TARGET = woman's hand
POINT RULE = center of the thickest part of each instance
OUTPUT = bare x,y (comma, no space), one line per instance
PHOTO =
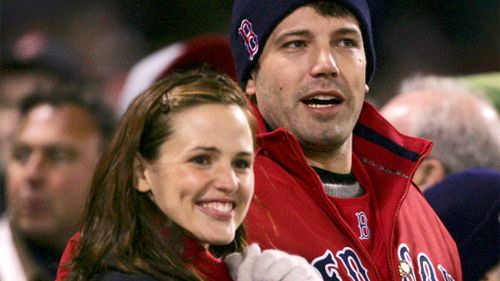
269,265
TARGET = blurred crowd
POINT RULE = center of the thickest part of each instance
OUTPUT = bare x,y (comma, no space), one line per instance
429,53
108,37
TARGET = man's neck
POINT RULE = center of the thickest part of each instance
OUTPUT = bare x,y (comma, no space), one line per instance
39,261
338,160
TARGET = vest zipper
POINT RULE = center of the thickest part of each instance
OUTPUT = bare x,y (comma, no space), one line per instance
344,226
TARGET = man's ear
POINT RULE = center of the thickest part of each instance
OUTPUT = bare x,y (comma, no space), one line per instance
250,86
430,172
141,182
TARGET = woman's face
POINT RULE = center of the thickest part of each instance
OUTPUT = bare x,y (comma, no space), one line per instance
203,179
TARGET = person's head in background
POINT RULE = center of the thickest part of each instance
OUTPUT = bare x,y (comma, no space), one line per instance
463,126
468,203
56,145
32,62
204,49
182,155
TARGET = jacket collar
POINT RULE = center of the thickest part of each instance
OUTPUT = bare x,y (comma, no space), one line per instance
372,128
384,160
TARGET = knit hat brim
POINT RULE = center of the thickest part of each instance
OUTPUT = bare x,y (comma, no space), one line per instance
254,20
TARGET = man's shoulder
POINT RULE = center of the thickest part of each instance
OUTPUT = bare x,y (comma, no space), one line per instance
5,231
10,267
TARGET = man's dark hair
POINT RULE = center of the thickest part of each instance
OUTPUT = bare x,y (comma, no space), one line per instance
77,95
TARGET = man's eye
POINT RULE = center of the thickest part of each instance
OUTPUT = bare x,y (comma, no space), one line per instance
59,155
21,154
295,44
347,42
201,160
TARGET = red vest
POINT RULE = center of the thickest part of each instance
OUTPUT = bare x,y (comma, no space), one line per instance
292,212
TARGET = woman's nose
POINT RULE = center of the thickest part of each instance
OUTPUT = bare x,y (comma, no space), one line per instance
226,179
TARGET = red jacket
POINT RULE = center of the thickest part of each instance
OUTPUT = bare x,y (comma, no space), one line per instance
292,212
212,268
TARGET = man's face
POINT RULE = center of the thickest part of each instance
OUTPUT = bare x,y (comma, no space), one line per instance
54,152
311,79
13,87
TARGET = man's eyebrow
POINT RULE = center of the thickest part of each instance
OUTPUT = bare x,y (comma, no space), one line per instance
295,32
17,143
59,146
347,31
69,150
304,32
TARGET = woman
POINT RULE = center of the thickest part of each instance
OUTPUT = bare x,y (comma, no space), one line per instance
172,190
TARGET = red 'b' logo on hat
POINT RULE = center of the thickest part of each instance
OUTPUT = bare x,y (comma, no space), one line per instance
250,38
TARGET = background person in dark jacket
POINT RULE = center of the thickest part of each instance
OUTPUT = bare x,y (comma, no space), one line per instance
468,203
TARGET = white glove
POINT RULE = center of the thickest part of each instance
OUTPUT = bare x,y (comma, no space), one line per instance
269,265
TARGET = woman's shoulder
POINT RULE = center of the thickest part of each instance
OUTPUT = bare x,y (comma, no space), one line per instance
120,276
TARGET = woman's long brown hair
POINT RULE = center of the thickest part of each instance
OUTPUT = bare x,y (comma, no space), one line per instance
122,229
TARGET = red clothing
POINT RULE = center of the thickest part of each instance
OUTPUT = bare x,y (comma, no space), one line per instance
292,212
64,269
212,268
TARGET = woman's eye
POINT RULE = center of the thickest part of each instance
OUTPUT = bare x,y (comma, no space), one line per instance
201,160
241,164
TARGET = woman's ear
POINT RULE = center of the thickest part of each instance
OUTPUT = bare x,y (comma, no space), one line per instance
141,182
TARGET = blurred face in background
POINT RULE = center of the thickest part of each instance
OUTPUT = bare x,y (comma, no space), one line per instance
53,155
203,179
13,87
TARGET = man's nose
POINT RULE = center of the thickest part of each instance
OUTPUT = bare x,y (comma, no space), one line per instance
324,63
35,167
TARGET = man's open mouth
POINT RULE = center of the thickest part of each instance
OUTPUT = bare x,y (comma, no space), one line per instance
321,101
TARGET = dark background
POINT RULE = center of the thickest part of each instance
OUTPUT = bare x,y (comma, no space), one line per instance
454,37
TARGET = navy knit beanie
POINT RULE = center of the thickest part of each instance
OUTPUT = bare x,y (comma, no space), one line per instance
254,20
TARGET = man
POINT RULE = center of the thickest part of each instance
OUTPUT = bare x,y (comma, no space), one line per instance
463,126
32,61
332,177
59,138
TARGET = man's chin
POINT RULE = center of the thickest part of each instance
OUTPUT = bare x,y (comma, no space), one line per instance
34,229
322,144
